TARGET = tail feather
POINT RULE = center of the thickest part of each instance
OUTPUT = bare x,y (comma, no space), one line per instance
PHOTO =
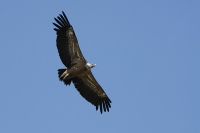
60,72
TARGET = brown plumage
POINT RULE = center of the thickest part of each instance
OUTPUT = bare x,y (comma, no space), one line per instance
78,69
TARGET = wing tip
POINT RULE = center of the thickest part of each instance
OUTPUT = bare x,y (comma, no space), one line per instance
104,104
62,23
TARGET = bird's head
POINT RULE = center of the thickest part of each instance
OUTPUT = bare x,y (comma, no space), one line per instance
90,65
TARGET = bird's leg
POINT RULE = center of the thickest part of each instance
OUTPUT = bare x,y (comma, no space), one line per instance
64,75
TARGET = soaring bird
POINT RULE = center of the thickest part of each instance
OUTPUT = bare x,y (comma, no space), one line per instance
78,70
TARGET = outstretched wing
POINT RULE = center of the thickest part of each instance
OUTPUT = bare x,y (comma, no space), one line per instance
92,91
67,43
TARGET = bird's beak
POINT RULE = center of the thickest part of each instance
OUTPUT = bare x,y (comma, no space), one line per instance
93,65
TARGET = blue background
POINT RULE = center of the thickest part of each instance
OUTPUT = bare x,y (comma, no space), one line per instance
147,55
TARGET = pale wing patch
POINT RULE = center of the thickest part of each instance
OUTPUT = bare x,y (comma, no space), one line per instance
74,50
91,81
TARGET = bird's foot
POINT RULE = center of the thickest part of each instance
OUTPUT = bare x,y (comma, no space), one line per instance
64,75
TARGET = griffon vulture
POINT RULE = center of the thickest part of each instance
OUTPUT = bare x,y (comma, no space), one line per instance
78,70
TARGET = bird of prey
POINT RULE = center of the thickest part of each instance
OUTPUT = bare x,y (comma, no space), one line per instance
78,70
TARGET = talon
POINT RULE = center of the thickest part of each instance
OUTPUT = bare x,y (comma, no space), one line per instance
64,75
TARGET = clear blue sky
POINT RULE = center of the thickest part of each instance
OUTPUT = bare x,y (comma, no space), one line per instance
147,55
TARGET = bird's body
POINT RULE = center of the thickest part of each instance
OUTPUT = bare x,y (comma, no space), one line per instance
78,70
